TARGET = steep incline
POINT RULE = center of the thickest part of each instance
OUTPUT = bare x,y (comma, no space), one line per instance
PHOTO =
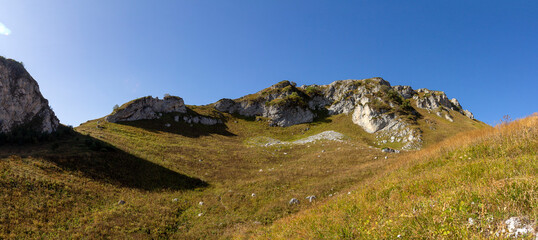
478,185
21,103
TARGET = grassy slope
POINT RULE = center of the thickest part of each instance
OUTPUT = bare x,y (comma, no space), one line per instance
488,175
74,190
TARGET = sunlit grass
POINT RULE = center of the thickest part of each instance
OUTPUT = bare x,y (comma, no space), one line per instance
487,175
73,191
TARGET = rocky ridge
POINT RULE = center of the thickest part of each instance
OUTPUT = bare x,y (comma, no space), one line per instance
388,112
21,102
376,106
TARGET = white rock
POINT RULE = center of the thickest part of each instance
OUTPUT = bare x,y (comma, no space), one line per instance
293,201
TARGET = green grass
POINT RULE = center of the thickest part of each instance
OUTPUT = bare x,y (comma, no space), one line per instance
72,190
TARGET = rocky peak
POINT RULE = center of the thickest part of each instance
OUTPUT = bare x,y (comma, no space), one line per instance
21,102
147,108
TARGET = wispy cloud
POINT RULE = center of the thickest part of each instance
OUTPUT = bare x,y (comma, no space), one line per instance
4,30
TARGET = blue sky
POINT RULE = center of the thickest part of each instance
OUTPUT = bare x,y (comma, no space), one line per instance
90,55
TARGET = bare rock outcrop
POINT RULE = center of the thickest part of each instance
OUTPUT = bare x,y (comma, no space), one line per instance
438,101
21,102
147,108
283,104
376,106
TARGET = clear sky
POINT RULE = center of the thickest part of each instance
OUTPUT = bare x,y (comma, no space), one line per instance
90,55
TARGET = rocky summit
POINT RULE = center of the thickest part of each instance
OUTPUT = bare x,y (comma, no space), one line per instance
21,102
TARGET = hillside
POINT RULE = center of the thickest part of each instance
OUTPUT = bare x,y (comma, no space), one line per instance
169,177
477,185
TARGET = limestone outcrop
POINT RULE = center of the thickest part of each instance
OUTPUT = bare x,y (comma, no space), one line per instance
438,101
21,102
379,108
283,104
147,108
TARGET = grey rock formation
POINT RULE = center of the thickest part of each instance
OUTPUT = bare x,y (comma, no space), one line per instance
283,111
288,115
21,102
405,91
372,103
468,114
456,103
435,100
147,108
432,100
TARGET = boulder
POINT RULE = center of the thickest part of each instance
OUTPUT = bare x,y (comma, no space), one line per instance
21,102
293,201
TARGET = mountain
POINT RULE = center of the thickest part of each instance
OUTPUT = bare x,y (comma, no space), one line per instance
22,107
158,168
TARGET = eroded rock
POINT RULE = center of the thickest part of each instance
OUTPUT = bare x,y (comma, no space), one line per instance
147,108
21,102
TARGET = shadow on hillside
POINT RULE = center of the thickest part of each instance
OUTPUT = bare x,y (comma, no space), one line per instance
102,162
168,124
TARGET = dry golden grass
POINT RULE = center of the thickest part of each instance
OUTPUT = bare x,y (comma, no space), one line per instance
73,191
488,175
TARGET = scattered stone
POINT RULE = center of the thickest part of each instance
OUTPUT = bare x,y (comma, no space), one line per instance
175,200
200,214
471,221
253,195
390,150
167,125
311,198
176,118
293,201
518,227
201,203
121,202
386,157
322,151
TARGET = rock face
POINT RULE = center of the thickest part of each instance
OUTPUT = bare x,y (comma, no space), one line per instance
21,102
147,108
283,104
438,101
